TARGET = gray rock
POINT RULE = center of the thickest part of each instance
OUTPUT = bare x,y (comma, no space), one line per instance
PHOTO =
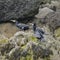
51,5
14,9
53,21
43,12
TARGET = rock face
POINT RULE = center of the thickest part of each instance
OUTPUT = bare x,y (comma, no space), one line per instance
14,9
43,12
53,21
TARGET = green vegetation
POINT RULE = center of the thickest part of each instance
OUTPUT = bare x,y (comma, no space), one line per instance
23,47
3,41
32,38
57,32
29,57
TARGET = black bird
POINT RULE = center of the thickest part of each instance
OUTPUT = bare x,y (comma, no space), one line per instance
22,26
38,33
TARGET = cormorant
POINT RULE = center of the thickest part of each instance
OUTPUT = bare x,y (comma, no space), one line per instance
22,26
38,33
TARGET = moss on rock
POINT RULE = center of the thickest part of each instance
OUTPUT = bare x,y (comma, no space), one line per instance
3,41
57,32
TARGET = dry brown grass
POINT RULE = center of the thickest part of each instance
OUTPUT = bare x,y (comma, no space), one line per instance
8,29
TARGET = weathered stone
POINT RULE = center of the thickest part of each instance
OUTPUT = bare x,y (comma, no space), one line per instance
52,4
53,20
14,9
55,3
43,12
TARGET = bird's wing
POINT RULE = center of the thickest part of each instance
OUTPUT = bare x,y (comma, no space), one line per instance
37,34
40,31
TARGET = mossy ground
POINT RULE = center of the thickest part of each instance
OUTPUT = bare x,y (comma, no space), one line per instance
32,38
57,32
3,41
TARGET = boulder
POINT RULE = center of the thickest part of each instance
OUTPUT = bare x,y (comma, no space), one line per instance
43,12
15,9
55,3
51,5
53,21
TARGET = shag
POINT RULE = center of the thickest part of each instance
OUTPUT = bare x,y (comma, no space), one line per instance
22,26
38,33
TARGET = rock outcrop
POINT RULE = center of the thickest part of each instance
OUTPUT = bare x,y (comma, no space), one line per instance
14,9
43,12
53,20
49,17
